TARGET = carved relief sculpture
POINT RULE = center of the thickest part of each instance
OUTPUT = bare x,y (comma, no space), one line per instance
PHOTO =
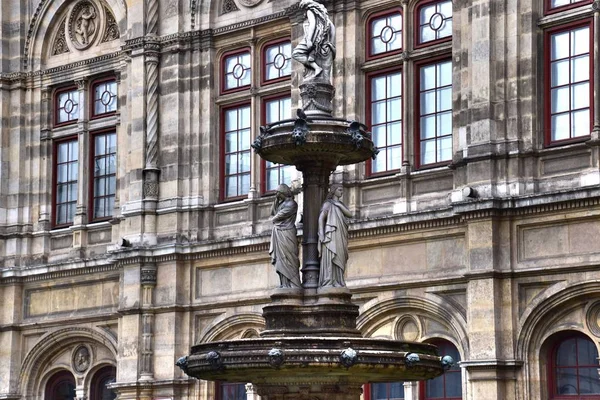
81,359
83,24
60,41
333,239
284,242
316,50
111,32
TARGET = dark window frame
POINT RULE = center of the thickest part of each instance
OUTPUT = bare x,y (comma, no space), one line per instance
99,377
222,153
263,119
439,342
369,115
263,61
55,144
416,32
378,15
58,378
91,176
549,10
92,100
417,112
223,70
547,118
56,111
220,385
368,389
551,373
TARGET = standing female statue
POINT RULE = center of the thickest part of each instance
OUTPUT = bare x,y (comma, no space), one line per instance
284,243
333,238
316,50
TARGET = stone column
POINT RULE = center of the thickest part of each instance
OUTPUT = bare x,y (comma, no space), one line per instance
83,141
148,280
596,72
316,182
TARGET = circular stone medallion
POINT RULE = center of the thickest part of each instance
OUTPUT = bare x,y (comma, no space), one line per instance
81,359
250,3
84,24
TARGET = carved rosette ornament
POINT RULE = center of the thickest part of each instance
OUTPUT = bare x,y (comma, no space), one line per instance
81,359
84,23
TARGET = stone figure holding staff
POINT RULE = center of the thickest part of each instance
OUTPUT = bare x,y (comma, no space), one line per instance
333,239
284,243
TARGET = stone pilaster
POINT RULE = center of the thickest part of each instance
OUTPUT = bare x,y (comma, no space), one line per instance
148,281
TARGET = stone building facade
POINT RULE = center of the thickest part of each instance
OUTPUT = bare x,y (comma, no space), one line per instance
134,214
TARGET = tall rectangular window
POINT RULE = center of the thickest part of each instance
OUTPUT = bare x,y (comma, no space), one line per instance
67,174
67,106
236,149
434,116
385,118
105,174
276,174
569,89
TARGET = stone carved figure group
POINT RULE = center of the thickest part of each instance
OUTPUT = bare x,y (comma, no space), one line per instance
333,238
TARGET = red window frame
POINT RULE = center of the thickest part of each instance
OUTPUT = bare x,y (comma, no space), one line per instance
263,117
551,370
263,62
59,378
548,9
99,380
222,385
56,112
379,15
92,175
224,74
223,179
417,115
444,347
416,18
369,118
55,180
368,389
547,81
92,97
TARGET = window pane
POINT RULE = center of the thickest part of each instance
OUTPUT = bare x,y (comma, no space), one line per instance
444,99
231,187
444,124
427,127
444,149
580,69
395,85
435,388
378,112
379,164
558,3
559,46
378,88
580,96
394,133
453,384
395,157
559,73
428,152
427,77
566,381
581,123
560,99
580,41
566,354
589,382
230,120
231,163
379,135
560,126
428,102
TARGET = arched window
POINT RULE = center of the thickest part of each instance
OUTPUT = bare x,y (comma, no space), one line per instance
447,386
61,386
573,369
103,377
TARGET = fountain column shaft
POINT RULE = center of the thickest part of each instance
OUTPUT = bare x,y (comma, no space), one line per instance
316,180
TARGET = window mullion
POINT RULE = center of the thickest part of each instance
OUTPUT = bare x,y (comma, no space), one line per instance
81,215
595,73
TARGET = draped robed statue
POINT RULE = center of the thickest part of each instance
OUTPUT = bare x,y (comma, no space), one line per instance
333,239
284,242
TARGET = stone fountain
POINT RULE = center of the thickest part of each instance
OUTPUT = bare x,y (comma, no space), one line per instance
310,348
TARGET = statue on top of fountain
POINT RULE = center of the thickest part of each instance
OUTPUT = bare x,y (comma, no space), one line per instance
316,50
